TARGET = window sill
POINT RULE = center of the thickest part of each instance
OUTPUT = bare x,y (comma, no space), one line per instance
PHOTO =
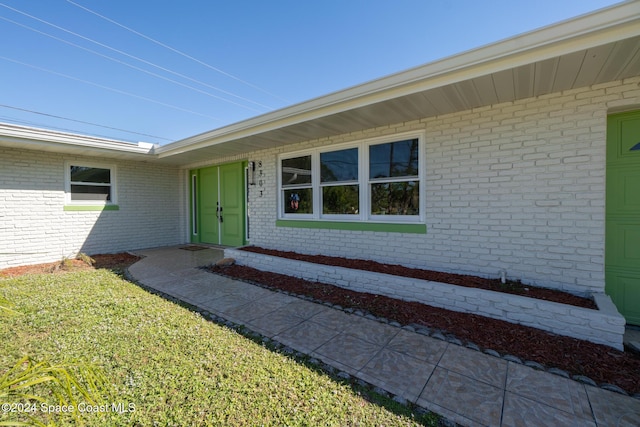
386,227
82,208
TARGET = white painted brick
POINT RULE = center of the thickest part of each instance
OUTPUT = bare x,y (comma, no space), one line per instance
604,326
149,196
522,318
531,171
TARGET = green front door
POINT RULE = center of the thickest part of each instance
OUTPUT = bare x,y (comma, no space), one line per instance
622,259
232,206
209,204
218,208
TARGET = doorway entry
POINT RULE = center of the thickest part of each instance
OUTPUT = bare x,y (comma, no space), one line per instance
622,246
218,205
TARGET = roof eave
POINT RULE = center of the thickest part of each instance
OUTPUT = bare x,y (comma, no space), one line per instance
30,138
610,24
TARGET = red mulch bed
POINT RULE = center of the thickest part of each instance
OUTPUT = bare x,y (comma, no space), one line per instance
109,261
435,276
598,362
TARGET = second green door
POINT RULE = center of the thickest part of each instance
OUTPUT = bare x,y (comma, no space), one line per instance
622,251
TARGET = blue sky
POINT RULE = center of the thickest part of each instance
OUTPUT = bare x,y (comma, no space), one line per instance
229,60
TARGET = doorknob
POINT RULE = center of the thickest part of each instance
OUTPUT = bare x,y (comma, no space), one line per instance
220,217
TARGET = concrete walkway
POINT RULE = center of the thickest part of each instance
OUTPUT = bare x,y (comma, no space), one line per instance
464,385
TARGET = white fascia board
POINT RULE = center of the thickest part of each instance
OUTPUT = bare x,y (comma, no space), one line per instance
28,137
611,24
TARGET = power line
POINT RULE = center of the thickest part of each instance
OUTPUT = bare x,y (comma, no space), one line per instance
129,65
81,121
122,92
131,56
177,51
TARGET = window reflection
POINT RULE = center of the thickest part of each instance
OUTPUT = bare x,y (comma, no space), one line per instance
339,165
296,170
87,174
340,200
395,198
90,184
394,159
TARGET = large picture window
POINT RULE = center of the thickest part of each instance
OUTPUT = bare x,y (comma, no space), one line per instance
377,180
87,184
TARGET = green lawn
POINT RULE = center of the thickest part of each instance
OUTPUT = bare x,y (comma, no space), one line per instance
169,364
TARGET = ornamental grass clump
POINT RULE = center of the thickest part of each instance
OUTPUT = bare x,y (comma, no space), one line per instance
33,387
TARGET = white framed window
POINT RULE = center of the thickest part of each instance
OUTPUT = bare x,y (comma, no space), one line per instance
340,183
394,178
378,180
90,184
296,183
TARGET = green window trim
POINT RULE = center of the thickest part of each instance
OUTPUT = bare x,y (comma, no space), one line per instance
84,208
354,226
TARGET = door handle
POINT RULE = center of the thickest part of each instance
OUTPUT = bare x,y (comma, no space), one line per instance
220,216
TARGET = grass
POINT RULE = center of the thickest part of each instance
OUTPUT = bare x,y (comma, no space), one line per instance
166,365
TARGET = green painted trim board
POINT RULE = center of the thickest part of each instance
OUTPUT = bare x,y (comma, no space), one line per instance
355,226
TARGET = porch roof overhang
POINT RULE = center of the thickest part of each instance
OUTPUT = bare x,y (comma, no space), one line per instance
590,49
593,48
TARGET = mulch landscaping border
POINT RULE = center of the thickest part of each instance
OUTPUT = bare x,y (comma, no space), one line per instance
590,363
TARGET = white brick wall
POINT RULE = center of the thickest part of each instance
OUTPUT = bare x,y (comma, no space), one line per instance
518,186
34,227
602,326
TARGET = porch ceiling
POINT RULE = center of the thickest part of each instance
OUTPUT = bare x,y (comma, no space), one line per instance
592,49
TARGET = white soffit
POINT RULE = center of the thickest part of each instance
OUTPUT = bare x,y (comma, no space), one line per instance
590,49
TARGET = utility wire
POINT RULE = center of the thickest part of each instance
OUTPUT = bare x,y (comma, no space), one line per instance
129,65
133,57
176,51
81,121
109,88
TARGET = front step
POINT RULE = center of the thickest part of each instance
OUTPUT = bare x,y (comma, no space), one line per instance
602,326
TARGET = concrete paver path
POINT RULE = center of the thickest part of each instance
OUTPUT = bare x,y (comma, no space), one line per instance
464,385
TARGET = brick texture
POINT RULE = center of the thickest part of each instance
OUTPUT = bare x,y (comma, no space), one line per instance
34,227
602,326
518,186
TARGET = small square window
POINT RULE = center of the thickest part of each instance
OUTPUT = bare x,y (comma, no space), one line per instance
87,184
